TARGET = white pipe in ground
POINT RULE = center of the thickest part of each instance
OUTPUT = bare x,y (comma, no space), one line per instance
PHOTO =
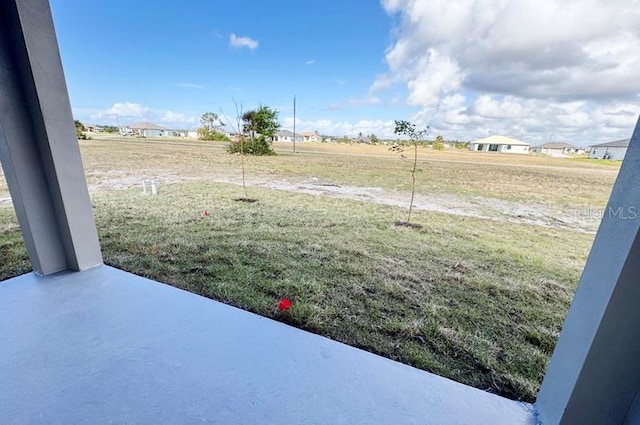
153,186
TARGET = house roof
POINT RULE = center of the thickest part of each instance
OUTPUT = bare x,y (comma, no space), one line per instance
557,145
501,140
622,143
284,133
145,125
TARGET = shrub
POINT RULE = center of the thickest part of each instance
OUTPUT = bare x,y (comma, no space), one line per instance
258,146
80,129
205,134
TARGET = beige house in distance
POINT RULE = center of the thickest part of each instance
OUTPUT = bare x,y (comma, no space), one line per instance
556,149
499,144
308,136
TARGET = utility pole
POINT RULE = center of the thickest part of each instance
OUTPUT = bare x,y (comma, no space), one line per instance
294,124
119,128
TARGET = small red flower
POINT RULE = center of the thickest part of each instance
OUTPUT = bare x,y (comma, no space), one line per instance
284,304
206,213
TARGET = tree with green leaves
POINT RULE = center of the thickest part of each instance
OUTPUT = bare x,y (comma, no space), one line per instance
259,126
408,129
249,123
262,121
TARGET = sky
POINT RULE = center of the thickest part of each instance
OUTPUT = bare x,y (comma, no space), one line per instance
537,70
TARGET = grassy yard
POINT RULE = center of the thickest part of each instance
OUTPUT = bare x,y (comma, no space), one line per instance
479,301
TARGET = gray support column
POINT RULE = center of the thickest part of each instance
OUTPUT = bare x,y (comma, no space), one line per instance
594,374
38,146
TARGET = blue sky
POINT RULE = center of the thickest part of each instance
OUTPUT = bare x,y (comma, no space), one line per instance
537,70
176,56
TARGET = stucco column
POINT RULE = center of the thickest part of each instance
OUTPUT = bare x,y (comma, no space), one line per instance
594,374
38,146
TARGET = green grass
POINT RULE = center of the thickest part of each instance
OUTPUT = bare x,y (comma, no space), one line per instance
587,160
13,256
474,300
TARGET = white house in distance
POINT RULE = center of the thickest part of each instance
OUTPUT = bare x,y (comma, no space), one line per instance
499,144
286,136
615,150
556,149
147,129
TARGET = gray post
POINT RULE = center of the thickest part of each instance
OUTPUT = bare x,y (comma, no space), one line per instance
594,374
38,146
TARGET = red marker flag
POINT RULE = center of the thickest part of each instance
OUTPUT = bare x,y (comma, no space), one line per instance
284,304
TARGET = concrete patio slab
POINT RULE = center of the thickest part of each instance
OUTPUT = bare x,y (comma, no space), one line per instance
106,346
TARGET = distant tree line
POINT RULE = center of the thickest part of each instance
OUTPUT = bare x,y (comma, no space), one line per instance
439,143
110,128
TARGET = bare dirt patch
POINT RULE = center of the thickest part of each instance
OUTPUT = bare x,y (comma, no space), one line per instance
475,206
447,203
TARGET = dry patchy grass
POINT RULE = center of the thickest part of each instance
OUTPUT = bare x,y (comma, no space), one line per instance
553,182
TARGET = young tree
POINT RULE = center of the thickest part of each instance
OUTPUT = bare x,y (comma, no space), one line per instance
211,126
406,128
210,121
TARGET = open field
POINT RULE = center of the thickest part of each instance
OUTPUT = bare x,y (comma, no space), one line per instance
478,294
523,189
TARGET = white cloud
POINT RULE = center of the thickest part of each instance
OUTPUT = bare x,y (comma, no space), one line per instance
310,62
533,48
190,86
436,76
124,113
535,66
127,110
508,107
179,119
241,42
533,120
380,128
